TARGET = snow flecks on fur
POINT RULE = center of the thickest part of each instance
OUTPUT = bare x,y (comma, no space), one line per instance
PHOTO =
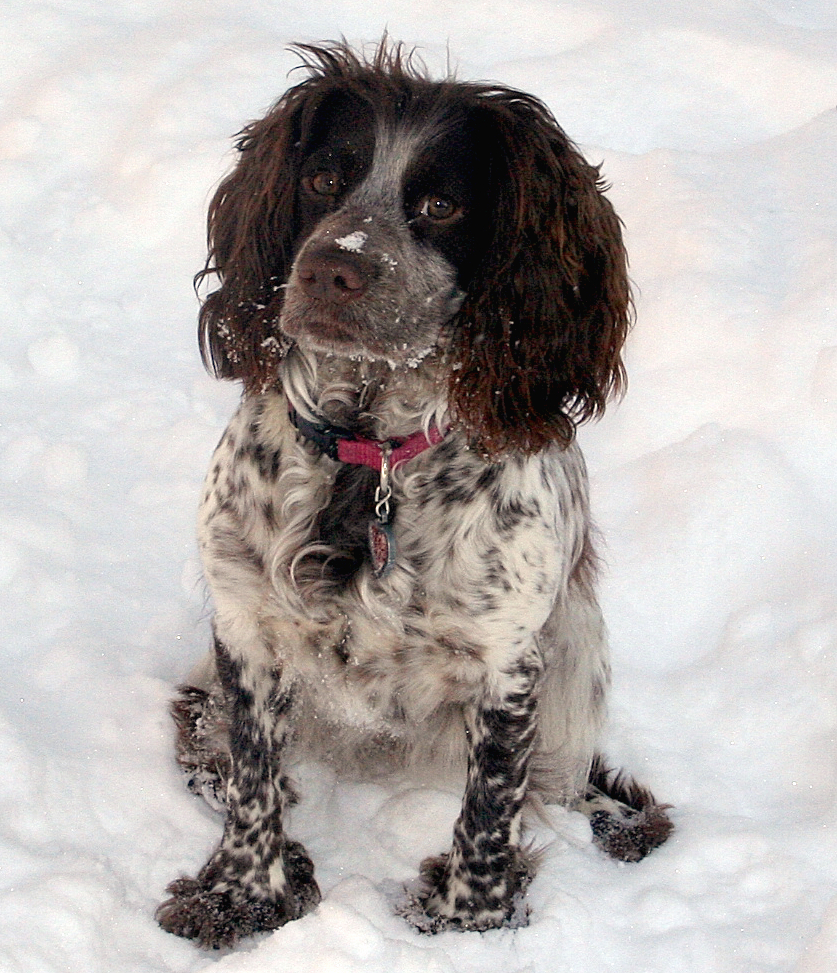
353,242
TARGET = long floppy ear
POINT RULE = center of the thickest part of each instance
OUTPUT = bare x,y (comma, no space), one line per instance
250,235
537,343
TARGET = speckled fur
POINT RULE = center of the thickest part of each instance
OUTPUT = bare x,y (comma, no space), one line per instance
483,648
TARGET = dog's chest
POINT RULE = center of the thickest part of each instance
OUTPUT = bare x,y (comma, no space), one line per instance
479,560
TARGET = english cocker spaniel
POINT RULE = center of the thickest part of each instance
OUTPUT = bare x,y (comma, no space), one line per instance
423,290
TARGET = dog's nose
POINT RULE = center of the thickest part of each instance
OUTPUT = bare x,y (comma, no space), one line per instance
334,275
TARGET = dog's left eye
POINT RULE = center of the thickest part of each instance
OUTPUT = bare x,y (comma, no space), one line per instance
323,183
440,209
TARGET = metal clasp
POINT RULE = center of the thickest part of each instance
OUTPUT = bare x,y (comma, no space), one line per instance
383,492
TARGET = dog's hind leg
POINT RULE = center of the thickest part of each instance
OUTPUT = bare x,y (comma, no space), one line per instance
627,822
202,744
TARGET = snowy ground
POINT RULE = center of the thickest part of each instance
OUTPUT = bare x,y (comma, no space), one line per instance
714,482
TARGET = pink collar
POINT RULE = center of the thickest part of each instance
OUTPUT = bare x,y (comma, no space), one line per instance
342,445
368,452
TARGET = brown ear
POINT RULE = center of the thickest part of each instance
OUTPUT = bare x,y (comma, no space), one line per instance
250,233
250,226
537,344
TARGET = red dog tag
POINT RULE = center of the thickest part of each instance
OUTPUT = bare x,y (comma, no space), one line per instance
381,547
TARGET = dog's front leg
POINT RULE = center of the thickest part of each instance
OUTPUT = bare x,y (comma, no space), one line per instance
476,885
257,879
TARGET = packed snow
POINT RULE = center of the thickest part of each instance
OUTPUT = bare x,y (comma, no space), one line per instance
713,482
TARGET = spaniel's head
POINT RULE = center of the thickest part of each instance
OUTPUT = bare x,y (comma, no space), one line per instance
376,213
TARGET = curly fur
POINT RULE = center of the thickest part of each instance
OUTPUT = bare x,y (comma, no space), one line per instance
394,254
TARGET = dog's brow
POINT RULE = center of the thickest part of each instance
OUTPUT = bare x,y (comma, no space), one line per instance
396,147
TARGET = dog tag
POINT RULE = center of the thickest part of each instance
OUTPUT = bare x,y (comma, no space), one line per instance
381,547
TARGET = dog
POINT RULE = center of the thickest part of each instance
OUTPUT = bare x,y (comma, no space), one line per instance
423,289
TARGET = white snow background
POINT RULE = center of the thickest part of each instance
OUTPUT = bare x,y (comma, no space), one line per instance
714,483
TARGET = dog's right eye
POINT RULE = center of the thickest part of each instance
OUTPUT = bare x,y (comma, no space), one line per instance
324,183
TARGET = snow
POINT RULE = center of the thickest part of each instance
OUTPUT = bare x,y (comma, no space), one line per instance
713,483
353,241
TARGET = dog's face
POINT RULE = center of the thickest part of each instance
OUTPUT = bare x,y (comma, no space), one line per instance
392,208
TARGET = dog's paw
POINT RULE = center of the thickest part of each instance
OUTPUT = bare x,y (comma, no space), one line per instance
478,901
219,913
629,834
202,743
216,917
626,820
